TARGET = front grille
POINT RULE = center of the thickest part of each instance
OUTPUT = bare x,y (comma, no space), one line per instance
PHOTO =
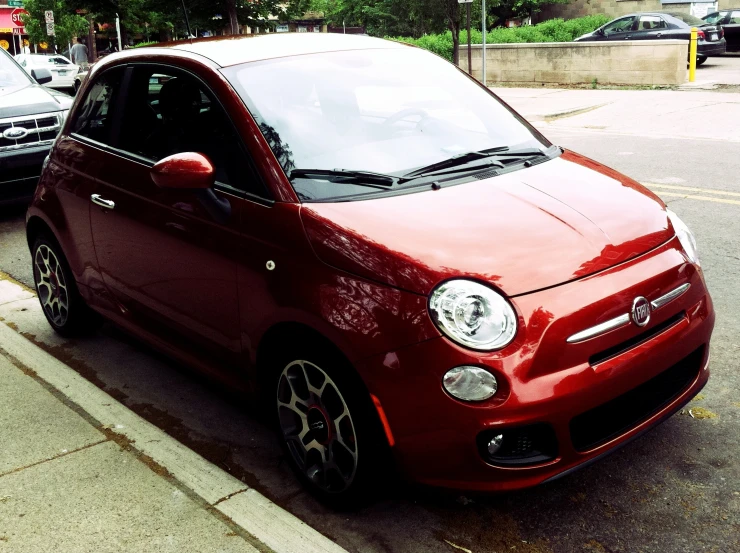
636,340
42,129
605,422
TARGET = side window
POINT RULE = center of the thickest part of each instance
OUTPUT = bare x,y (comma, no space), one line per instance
93,118
168,112
619,26
714,18
651,22
735,17
23,62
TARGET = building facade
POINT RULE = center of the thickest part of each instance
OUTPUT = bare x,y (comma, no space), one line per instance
615,8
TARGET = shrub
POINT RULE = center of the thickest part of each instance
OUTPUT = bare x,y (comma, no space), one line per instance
553,30
142,44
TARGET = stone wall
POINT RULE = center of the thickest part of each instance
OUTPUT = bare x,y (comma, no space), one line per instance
631,62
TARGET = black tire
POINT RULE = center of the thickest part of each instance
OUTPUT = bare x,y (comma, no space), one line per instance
347,462
60,300
700,60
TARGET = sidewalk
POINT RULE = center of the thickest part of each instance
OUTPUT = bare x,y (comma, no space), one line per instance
79,472
658,113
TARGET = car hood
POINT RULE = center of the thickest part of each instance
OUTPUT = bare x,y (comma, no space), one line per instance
522,231
31,99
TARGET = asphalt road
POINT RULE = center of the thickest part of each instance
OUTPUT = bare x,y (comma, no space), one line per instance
675,490
724,70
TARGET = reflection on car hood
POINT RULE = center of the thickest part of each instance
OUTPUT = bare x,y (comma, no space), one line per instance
31,99
522,231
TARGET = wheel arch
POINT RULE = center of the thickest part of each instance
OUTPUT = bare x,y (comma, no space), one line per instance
36,226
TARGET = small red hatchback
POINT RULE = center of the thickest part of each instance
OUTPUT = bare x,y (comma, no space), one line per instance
392,261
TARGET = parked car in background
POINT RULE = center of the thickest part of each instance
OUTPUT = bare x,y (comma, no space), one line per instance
389,259
81,76
62,70
730,22
663,26
30,118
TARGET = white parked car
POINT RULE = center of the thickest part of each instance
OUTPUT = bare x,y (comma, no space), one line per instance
62,70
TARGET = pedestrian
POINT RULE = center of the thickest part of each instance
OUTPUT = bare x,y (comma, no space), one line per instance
78,53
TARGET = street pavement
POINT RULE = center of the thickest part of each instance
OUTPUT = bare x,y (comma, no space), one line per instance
675,490
723,70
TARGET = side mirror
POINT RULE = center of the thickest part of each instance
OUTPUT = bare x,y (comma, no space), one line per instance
188,170
41,75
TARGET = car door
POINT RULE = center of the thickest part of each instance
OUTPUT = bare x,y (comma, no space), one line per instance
650,27
732,31
78,155
169,256
620,29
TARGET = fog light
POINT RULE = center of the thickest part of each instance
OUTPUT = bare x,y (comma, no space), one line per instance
470,383
495,444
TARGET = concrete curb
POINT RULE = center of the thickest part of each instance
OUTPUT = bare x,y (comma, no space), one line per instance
268,523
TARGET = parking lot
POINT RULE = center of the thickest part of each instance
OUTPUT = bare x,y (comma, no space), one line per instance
723,70
674,490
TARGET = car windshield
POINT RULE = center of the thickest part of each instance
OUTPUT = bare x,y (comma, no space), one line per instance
10,73
387,111
688,19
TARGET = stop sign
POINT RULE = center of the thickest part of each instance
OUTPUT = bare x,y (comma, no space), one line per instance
15,17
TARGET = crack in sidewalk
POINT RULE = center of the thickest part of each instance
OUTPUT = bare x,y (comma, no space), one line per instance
55,457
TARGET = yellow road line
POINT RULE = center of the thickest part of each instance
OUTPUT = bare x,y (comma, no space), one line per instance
703,198
691,189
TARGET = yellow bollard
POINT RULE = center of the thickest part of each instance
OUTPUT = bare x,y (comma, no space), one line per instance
692,55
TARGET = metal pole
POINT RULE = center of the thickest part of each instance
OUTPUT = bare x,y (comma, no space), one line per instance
470,53
485,80
118,30
692,55
187,22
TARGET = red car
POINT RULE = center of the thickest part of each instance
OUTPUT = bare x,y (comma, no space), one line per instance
378,249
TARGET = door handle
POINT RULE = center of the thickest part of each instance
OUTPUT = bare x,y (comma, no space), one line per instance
659,35
627,37
97,199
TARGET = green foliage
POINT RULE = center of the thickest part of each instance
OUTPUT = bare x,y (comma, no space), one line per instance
554,30
143,44
66,23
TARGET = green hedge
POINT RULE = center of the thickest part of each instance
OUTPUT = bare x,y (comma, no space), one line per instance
554,30
143,44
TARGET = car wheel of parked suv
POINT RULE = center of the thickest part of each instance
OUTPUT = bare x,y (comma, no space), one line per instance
700,60
328,428
60,300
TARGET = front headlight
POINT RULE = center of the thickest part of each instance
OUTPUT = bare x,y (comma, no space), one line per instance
473,315
685,236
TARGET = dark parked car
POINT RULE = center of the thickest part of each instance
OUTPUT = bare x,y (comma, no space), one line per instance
730,22
391,261
661,26
30,118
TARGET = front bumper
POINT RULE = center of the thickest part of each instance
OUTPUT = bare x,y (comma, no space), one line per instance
19,172
543,380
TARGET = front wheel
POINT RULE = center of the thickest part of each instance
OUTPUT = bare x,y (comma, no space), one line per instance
700,60
329,430
60,300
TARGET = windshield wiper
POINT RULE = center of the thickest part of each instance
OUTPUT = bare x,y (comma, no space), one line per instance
460,160
362,178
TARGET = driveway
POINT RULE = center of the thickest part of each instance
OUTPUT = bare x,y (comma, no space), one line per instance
723,70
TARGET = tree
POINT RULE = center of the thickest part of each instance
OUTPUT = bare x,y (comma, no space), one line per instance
66,23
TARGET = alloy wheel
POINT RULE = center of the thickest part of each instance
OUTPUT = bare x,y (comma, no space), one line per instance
317,426
51,285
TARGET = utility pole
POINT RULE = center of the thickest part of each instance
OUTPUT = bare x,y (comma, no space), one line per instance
187,22
118,30
470,51
485,81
